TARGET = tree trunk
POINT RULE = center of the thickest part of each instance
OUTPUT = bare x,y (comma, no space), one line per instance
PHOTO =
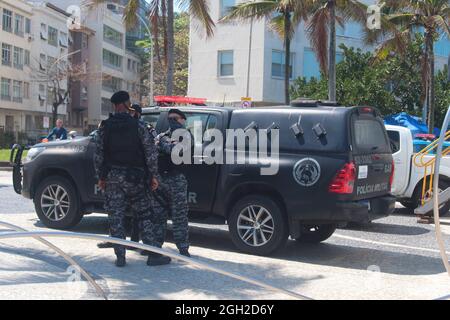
287,64
332,53
431,88
170,47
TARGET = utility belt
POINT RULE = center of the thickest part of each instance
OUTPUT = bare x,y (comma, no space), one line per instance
134,175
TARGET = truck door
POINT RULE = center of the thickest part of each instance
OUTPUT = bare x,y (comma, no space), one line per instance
202,177
401,161
372,155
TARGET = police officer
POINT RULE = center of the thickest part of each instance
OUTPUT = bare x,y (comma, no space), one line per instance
126,166
173,187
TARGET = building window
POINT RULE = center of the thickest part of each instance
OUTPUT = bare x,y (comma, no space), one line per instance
42,62
225,7
26,90
279,64
44,34
112,36
9,123
5,92
106,107
6,54
17,91
27,26
112,60
226,63
111,83
18,58
7,20
63,39
19,24
26,58
52,36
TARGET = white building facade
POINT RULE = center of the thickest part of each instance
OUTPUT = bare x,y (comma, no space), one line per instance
110,66
15,85
247,59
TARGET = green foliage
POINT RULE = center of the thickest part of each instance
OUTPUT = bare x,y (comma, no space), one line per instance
392,85
181,35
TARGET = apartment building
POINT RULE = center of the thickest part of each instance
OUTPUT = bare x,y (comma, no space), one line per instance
34,43
100,45
15,43
49,63
248,59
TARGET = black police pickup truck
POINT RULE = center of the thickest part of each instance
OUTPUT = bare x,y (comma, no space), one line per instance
335,166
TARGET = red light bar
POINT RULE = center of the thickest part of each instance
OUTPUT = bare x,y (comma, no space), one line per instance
367,109
179,100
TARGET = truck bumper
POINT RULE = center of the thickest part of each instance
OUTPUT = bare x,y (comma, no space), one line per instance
365,211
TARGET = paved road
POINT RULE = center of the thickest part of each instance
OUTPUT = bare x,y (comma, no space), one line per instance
393,258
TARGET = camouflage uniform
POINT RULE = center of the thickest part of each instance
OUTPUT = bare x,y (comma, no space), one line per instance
127,187
170,200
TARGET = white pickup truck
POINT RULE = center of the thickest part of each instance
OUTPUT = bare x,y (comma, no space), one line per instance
408,178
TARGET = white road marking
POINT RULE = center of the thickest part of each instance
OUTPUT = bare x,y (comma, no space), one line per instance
394,245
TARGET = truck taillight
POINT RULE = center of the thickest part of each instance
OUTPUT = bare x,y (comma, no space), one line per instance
344,180
391,178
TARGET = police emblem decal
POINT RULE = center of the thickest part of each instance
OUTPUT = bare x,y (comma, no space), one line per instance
307,172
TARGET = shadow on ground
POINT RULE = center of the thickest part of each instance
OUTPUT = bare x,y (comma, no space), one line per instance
139,281
349,255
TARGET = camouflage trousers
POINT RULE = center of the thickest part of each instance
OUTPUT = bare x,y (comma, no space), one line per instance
170,200
122,196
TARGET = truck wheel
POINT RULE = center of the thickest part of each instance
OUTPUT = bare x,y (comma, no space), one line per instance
443,209
316,234
257,225
411,205
56,203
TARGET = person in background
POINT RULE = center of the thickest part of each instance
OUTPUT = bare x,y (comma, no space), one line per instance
136,111
59,132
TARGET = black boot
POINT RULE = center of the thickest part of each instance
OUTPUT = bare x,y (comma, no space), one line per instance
185,252
121,261
105,245
156,259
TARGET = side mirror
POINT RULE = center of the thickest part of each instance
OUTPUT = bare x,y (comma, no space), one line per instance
73,134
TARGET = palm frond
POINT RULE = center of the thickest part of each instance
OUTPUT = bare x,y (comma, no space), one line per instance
200,10
318,32
252,9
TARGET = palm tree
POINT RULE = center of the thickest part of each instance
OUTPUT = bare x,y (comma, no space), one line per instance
161,13
324,14
403,18
284,17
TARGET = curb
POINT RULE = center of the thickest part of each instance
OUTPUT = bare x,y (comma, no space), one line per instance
6,168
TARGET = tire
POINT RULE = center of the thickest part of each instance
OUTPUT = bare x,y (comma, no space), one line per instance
274,230
443,210
66,214
316,234
411,205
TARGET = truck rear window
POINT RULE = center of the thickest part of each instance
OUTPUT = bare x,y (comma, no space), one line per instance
370,136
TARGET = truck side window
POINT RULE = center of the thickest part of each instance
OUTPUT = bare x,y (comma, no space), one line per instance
394,139
152,119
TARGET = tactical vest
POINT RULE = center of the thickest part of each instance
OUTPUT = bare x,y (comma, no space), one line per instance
165,164
122,145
